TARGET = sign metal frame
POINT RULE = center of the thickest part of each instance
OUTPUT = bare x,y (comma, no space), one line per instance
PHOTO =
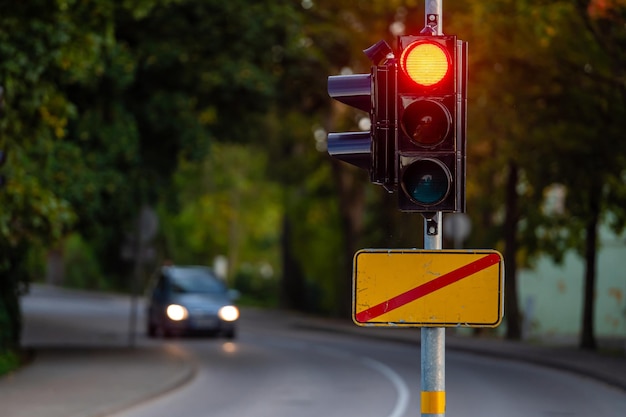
428,288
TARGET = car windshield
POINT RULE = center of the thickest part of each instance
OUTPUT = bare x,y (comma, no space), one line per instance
195,281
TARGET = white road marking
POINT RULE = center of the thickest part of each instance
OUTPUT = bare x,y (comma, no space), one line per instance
402,401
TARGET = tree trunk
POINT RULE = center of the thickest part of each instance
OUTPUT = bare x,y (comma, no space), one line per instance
55,266
351,198
351,208
292,288
587,339
10,311
511,307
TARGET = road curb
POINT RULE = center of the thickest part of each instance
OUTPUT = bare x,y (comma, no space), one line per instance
186,374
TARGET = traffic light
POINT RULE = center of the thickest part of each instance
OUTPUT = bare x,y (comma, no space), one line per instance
374,93
431,118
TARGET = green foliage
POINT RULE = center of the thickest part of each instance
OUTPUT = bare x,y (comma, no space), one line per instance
256,289
6,322
549,101
103,99
82,269
216,111
9,361
227,208
552,104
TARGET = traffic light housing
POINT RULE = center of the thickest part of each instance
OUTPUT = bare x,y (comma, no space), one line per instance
431,120
374,93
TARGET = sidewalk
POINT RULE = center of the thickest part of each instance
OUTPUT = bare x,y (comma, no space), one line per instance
90,382
94,382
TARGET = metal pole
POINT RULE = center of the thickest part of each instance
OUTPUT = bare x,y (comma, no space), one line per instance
433,340
138,248
433,16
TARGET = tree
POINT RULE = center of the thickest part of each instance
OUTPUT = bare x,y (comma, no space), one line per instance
238,209
32,47
105,99
560,115
499,113
592,165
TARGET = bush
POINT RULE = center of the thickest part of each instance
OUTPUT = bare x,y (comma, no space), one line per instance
9,361
82,269
255,289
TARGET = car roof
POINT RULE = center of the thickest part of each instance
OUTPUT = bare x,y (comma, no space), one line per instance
187,268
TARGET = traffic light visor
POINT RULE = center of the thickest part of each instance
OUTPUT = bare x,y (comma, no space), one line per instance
354,90
426,63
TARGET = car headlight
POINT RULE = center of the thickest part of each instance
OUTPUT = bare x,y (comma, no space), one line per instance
176,312
228,313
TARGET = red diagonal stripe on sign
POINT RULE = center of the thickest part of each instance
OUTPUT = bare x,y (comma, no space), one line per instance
428,287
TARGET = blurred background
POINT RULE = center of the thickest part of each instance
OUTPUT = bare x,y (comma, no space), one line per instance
138,133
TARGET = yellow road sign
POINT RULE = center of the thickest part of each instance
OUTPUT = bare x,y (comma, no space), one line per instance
428,288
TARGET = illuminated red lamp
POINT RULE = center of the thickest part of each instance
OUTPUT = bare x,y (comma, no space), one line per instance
427,64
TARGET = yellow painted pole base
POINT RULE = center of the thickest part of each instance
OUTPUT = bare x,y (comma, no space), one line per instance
433,402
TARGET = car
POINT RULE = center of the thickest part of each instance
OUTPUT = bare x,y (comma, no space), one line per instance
190,299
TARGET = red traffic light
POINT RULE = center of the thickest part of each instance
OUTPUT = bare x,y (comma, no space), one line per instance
426,63
431,115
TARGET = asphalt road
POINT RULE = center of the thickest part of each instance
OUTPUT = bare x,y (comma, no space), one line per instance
274,369
285,373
